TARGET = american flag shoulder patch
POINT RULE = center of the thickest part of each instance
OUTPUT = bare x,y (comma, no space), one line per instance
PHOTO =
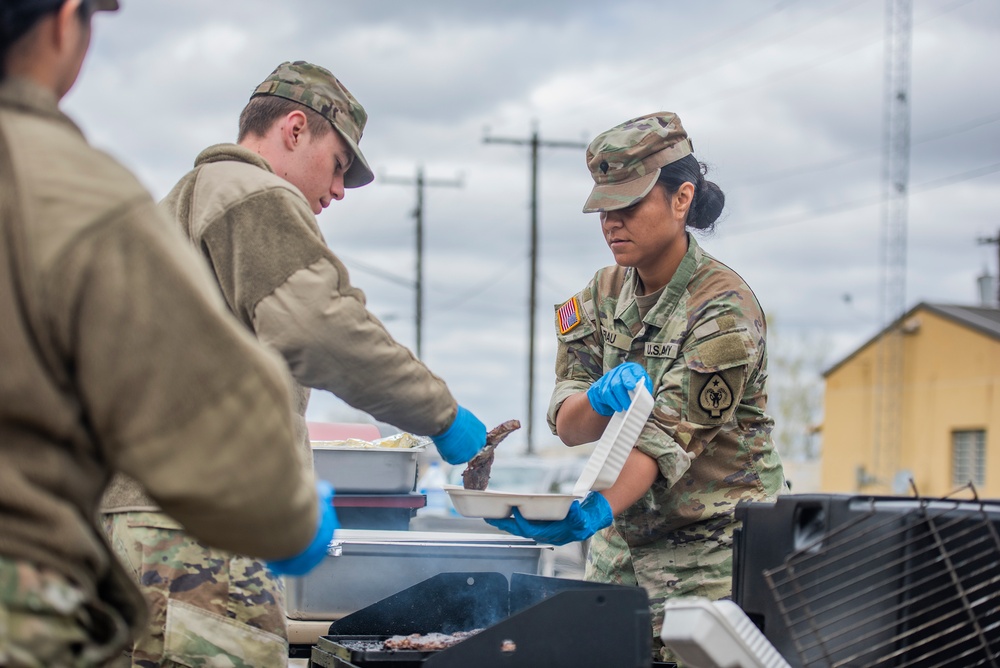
569,315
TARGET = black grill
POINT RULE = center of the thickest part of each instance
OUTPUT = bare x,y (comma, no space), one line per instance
533,621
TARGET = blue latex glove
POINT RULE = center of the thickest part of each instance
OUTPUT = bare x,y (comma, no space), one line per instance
311,557
462,440
581,522
609,393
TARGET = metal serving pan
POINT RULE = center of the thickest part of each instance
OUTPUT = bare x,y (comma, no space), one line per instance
364,566
373,469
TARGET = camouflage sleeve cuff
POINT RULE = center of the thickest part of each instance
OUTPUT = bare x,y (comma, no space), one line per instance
564,390
671,459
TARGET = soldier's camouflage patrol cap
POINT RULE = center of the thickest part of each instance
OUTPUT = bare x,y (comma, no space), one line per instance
319,90
26,6
625,161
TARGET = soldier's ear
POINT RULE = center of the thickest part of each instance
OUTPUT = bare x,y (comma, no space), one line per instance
67,19
294,128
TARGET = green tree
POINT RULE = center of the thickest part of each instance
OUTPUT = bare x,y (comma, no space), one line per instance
796,360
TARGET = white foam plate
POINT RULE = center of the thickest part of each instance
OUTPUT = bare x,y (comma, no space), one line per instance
617,441
494,504
601,472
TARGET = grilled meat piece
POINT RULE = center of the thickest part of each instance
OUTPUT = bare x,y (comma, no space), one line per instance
430,642
477,473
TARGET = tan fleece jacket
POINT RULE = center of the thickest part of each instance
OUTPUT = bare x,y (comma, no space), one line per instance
282,281
119,356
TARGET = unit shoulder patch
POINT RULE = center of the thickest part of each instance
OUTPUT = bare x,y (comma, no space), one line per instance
716,396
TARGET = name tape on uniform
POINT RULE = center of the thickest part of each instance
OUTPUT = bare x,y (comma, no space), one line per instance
616,339
662,350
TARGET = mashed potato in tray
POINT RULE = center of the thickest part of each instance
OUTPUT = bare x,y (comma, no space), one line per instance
403,441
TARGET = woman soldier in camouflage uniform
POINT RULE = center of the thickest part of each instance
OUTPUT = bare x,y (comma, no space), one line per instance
671,316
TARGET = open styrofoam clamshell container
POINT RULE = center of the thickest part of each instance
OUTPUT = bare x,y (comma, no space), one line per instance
716,634
601,472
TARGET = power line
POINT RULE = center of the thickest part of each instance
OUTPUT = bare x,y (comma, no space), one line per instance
864,154
680,71
481,287
798,218
375,271
795,70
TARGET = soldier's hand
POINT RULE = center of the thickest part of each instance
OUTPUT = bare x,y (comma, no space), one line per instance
610,393
463,439
314,553
581,522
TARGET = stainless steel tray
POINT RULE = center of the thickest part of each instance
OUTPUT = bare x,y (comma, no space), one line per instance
363,567
372,469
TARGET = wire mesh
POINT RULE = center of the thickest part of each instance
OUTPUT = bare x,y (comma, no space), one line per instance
918,588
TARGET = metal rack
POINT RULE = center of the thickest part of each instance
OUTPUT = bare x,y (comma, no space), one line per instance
919,588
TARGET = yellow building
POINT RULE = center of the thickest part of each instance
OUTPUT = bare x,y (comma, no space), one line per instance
920,401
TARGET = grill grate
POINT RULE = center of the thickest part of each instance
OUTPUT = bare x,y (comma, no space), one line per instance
918,589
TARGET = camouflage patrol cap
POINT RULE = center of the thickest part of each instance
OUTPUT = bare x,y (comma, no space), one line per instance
319,90
625,161
39,6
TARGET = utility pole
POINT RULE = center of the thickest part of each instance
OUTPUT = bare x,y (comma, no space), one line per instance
418,214
535,143
888,390
995,241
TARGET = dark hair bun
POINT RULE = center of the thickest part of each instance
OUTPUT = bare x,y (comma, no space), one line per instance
709,203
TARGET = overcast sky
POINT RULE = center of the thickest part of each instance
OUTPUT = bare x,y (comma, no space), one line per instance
783,100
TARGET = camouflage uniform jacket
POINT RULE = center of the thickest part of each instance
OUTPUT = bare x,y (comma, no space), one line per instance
119,355
703,345
283,283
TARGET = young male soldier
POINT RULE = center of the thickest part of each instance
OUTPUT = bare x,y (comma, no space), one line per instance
118,355
250,208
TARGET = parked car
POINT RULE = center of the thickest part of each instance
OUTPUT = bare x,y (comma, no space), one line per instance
546,475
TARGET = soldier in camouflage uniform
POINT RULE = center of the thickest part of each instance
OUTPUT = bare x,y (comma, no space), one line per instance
118,355
250,208
673,317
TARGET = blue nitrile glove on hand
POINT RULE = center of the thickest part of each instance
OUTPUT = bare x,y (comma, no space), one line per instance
463,439
581,522
609,393
310,558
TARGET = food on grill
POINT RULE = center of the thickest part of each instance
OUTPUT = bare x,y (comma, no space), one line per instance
429,642
477,473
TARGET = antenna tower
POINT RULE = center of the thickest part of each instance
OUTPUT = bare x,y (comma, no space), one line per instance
888,390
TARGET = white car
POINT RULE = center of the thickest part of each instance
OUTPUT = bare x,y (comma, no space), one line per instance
546,475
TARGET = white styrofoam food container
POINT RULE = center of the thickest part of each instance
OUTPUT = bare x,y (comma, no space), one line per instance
608,457
491,504
601,471
716,634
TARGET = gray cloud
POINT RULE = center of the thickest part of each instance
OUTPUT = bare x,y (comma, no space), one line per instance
783,100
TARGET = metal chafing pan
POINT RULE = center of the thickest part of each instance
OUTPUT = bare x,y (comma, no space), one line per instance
364,566
366,469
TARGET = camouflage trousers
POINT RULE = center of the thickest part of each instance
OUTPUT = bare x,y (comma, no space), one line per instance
207,607
696,561
46,621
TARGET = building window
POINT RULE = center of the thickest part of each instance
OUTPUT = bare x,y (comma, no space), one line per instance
968,458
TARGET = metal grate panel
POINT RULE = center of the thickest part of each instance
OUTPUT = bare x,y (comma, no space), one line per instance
916,589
